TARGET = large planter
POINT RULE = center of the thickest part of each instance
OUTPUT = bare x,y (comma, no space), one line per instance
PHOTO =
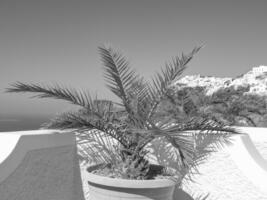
105,188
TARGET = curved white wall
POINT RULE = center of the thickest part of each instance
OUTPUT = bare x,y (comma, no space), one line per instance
9,140
257,134
249,161
7,144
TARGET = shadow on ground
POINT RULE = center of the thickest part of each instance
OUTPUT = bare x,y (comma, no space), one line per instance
180,194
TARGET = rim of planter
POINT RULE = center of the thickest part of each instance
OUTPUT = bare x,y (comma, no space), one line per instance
126,183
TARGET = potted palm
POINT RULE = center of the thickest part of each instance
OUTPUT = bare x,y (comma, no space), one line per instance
125,141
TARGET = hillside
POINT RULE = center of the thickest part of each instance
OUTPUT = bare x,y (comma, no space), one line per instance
256,79
240,101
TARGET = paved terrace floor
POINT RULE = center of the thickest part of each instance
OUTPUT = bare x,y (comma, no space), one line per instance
223,177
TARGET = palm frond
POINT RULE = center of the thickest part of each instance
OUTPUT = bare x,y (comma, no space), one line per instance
183,143
172,72
185,137
141,98
68,94
208,136
70,120
165,154
205,145
203,124
97,147
118,74
86,121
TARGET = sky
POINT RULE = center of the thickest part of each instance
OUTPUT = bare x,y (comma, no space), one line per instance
56,41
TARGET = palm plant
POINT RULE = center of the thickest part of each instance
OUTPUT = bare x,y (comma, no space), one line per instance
118,134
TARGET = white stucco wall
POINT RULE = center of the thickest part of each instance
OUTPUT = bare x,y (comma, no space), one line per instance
8,140
259,138
39,165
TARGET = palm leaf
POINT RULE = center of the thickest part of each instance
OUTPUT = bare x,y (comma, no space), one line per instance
181,142
70,120
118,74
97,147
181,137
68,94
86,121
172,72
141,98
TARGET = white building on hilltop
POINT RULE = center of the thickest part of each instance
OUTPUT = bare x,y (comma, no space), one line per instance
260,69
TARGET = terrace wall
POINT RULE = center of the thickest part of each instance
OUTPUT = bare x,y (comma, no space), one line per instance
39,165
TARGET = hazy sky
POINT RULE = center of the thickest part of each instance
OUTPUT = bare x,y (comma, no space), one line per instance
52,41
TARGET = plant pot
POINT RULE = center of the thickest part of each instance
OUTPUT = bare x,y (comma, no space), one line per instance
105,188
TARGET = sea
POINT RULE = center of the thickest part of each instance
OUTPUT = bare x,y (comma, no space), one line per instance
21,123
